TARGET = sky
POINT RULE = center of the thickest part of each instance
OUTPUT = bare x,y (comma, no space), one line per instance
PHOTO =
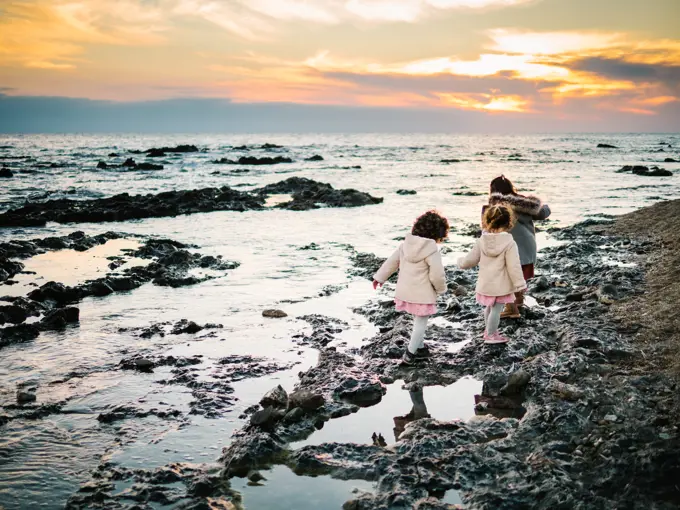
556,65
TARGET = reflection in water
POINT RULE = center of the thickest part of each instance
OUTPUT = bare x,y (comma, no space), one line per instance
284,490
446,403
418,411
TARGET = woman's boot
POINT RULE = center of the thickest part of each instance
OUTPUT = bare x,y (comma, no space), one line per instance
511,310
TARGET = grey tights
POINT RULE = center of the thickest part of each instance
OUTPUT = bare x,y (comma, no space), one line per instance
418,334
492,316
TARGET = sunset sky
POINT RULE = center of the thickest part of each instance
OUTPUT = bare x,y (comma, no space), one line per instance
571,59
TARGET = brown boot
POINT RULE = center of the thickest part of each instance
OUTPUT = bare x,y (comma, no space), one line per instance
511,311
519,299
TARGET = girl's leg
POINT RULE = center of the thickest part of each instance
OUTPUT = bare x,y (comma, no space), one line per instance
487,311
494,318
418,334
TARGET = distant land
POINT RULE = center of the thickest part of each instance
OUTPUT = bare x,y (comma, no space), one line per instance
31,114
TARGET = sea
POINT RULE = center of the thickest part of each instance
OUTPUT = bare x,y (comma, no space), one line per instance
45,461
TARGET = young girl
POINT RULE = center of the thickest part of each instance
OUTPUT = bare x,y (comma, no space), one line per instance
421,276
500,271
526,209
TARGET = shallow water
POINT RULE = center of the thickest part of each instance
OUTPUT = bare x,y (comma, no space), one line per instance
397,408
284,490
43,461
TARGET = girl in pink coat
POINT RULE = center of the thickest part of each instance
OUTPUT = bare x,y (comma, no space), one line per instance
421,276
500,272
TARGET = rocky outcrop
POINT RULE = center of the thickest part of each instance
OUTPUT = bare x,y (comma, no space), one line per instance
654,171
306,193
253,160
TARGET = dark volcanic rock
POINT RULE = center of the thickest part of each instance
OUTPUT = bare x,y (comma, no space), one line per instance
60,318
308,194
253,160
12,314
24,397
654,171
6,172
18,334
306,400
149,166
57,292
274,314
450,161
366,265
316,157
606,146
125,207
129,163
178,149
276,397
671,160
406,192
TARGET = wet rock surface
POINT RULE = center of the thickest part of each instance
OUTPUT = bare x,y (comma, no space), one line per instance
171,265
306,193
564,417
253,160
654,171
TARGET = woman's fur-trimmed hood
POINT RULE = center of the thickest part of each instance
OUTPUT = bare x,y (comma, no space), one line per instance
522,204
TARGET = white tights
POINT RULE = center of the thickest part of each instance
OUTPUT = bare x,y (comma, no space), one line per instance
492,316
418,334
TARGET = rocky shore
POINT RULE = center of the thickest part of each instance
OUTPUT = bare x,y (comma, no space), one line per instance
573,413
305,193
51,306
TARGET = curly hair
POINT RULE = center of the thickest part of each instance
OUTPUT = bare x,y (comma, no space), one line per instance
498,218
431,225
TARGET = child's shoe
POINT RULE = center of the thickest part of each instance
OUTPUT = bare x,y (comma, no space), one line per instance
408,358
496,338
423,352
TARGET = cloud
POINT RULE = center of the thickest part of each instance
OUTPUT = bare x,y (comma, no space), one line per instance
620,69
53,35
256,20
550,43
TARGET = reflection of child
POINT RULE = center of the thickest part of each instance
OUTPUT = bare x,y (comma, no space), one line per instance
500,273
418,411
421,276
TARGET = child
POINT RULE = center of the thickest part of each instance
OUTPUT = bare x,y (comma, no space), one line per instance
500,271
526,209
421,276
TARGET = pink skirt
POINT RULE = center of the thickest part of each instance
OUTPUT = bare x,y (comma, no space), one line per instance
417,309
492,300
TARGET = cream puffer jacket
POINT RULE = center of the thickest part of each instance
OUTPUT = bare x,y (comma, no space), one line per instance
421,271
500,272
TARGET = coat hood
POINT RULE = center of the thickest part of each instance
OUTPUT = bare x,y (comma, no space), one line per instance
493,245
417,248
522,204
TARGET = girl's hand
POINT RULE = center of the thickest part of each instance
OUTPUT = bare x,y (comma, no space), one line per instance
376,284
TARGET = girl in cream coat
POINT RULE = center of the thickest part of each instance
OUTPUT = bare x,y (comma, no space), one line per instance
500,272
421,276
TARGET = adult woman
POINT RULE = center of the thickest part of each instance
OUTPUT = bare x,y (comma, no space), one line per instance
527,209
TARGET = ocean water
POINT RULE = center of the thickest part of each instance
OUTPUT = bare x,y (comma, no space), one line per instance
42,462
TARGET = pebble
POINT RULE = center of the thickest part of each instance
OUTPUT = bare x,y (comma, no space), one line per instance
274,314
24,397
611,418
